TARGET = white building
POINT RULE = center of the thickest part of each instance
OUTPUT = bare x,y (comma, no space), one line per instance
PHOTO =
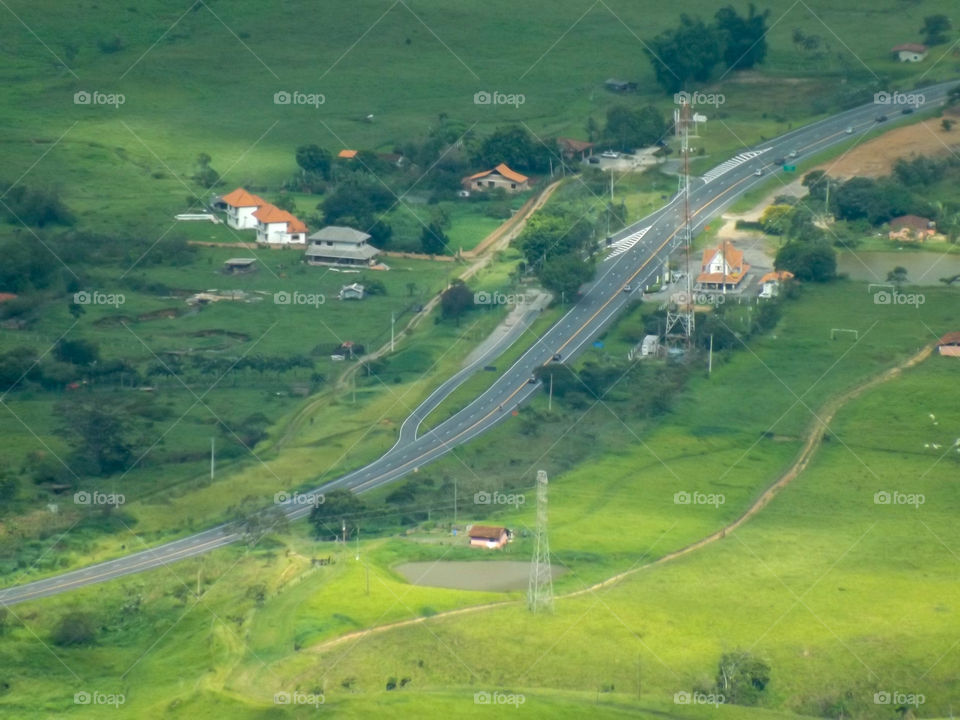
353,291
240,207
910,52
278,227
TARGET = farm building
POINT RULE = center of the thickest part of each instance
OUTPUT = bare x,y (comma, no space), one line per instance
575,149
240,206
721,268
911,228
949,344
491,537
337,245
239,266
278,227
619,86
910,52
347,154
770,283
353,291
500,177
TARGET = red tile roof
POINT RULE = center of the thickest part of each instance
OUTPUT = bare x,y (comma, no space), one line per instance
487,532
242,198
951,338
502,169
778,275
272,214
910,47
914,222
347,154
733,259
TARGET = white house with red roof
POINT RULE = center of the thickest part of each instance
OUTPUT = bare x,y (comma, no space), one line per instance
721,268
240,206
771,282
500,177
910,52
278,227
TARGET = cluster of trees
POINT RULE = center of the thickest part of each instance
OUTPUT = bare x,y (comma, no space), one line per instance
627,128
935,29
557,246
692,50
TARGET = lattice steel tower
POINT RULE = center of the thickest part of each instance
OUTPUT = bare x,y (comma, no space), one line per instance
540,592
679,328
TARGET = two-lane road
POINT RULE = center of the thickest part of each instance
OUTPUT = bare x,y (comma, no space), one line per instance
634,258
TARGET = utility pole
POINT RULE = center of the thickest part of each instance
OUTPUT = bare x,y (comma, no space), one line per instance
344,529
710,360
454,503
212,456
393,320
550,397
540,590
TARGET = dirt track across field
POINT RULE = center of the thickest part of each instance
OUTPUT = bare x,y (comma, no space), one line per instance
815,436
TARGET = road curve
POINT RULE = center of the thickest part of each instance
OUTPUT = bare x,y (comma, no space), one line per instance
604,298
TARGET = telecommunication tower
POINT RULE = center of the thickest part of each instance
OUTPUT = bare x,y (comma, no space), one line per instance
679,328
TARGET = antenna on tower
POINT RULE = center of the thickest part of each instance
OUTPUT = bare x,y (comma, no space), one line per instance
540,592
679,330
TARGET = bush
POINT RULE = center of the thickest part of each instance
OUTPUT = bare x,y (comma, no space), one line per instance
75,628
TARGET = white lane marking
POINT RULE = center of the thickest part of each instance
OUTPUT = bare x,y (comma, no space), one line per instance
730,164
624,244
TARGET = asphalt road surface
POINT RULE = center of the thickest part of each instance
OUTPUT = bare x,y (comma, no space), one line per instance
635,257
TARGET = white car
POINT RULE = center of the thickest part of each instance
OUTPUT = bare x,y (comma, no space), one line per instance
849,131
758,172
610,154
793,154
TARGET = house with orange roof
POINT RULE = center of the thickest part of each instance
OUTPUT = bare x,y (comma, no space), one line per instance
347,154
911,228
770,283
240,206
278,227
721,268
949,344
500,177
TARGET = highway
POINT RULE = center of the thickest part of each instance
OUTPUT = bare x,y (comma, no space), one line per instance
635,257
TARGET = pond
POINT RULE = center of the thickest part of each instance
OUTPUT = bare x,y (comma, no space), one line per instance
923,268
491,576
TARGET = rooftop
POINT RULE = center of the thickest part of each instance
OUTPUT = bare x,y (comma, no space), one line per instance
339,234
242,198
502,169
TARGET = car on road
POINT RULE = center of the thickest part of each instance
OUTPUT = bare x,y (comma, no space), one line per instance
881,118
849,131
557,357
532,380
780,161
758,172
627,288
612,154
793,154
907,110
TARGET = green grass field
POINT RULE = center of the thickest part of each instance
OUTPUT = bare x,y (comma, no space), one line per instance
843,597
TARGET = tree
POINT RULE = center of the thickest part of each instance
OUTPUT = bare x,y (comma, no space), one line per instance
314,159
434,240
205,176
744,38
74,628
515,147
105,438
338,507
946,124
898,275
685,53
812,261
935,29
627,129
76,352
565,274
774,219
455,300
742,678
